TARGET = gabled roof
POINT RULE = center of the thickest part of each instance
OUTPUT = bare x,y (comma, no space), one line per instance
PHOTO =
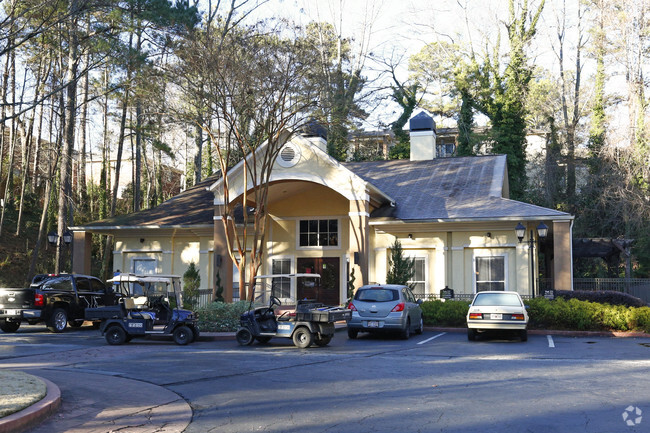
462,188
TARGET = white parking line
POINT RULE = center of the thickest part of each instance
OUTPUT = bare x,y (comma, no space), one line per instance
432,338
551,343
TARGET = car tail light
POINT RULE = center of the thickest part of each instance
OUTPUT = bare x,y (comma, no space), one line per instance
398,307
352,307
39,301
474,316
517,317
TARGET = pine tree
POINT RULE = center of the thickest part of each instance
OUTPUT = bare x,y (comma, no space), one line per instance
402,269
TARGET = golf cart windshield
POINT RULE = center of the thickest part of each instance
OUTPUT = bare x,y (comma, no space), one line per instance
144,288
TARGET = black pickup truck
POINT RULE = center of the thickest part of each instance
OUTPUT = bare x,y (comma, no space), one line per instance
54,299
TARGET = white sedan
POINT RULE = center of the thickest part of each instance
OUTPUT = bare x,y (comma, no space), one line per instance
497,310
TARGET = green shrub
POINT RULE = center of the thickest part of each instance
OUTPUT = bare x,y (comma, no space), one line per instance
640,319
602,297
448,313
586,316
221,316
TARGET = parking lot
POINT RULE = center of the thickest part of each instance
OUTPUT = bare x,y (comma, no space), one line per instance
437,381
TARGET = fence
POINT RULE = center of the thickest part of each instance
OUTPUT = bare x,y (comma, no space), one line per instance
639,287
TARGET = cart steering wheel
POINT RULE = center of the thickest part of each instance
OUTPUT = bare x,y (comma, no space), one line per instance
274,301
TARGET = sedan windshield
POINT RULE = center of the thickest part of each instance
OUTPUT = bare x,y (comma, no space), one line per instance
377,295
494,299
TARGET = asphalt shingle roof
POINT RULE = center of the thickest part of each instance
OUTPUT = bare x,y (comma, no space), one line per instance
194,206
445,188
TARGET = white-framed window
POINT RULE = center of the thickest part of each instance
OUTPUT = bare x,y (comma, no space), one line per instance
321,233
281,286
419,281
144,265
490,273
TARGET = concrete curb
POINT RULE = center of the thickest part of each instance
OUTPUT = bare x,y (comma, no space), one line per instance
34,414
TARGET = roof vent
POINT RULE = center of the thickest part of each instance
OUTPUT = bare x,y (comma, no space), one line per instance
289,155
422,122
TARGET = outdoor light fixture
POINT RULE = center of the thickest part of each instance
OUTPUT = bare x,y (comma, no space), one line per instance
53,237
542,232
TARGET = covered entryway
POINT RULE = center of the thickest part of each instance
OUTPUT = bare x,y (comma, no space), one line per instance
325,289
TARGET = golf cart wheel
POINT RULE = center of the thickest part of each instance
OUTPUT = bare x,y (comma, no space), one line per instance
195,334
244,337
302,337
353,334
263,340
58,321
323,340
116,335
183,335
9,326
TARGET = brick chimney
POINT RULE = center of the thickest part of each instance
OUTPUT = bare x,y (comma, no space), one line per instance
423,137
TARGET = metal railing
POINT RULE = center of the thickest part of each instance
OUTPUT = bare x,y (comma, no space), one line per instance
639,287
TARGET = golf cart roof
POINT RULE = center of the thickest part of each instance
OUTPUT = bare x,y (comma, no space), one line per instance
287,276
132,278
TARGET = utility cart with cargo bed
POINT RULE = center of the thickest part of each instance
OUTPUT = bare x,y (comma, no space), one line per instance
310,323
149,305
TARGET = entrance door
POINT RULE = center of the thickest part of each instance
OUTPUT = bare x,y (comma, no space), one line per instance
325,289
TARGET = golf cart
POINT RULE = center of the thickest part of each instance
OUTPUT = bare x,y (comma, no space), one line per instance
311,322
147,305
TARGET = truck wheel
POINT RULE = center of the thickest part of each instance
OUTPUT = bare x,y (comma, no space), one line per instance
115,335
302,337
244,337
323,340
58,321
9,326
183,335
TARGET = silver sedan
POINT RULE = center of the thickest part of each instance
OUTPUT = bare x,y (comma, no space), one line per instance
381,308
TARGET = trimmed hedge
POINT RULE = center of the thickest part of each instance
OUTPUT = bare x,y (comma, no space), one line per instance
221,316
557,314
448,313
603,297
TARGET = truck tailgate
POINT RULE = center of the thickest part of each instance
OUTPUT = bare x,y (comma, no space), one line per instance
16,298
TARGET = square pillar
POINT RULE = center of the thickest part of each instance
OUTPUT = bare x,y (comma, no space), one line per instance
562,255
222,261
81,252
359,244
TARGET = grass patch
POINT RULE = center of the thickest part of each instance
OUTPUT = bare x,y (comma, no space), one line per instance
18,391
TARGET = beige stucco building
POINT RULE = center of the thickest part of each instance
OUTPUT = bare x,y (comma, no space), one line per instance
452,215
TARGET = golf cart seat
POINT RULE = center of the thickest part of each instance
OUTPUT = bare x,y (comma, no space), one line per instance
129,305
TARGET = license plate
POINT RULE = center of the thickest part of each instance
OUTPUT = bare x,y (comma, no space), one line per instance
11,312
373,324
496,316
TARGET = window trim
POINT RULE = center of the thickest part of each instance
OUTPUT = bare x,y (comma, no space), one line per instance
424,257
318,247
483,256
292,281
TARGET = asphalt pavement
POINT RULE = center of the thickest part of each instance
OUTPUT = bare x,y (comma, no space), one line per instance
96,398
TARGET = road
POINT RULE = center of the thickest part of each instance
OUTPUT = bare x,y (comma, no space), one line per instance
435,382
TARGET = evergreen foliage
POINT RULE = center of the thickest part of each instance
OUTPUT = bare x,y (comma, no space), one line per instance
191,284
401,268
